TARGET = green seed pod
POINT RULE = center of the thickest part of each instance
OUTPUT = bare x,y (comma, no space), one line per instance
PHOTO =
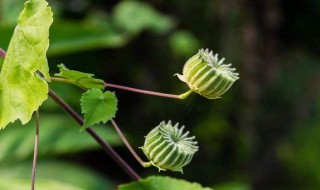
168,148
208,76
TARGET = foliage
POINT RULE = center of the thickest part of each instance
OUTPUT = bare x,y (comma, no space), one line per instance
83,80
261,135
26,56
159,183
52,175
59,136
98,106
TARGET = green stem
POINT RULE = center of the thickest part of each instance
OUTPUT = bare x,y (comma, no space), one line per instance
185,95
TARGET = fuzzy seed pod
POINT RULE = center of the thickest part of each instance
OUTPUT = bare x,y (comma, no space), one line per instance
208,76
168,148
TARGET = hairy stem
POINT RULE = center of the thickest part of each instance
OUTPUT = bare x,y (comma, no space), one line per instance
106,147
35,151
123,138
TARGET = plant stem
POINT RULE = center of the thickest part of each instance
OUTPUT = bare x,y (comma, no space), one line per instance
123,138
35,151
2,53
108,85
106,147
185,95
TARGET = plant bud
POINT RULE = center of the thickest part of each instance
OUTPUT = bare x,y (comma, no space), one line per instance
206,75
168,148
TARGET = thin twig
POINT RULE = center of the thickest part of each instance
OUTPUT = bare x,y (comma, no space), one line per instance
108,85
35,151
136,90
123,138
106,147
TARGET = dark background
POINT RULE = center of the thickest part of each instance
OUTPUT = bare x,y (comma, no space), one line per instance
265,131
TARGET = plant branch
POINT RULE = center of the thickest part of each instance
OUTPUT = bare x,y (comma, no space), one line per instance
176,96
136,90
123,138
2,53
106,147
35,151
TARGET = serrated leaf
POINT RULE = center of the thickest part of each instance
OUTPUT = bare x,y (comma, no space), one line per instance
81,79
160,183
98,107
22,90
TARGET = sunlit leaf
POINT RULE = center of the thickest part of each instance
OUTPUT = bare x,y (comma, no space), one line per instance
22,90
84,80
98,106
161,183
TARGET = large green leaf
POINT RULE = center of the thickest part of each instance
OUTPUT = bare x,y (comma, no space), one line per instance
22,90
59,135
49,173
98,106
160,183
81,79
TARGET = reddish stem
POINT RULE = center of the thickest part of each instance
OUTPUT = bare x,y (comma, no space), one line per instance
123,138
106,147
35,151
108,85
2,53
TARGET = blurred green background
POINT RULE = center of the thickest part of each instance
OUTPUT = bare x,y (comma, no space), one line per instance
263,134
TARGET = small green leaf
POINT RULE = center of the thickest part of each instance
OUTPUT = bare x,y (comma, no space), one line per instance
22,90
83,80
98,107
160,183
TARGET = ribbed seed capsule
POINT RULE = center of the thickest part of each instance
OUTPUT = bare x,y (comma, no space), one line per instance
167,147
206,75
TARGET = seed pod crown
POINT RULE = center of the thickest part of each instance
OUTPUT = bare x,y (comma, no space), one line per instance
206,75
168,148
